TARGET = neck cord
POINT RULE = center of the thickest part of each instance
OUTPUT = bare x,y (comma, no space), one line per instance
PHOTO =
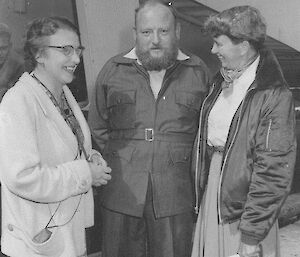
56,226
50,95
81,148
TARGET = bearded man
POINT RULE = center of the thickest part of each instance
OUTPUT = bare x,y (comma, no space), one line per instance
144,118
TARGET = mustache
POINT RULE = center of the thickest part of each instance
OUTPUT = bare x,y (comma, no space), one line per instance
156,46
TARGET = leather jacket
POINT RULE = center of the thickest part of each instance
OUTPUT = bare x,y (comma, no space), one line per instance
259,157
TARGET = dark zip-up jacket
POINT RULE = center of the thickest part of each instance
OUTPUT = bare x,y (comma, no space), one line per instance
260,150
145,138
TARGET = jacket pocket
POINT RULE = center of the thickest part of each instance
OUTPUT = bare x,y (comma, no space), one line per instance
267,146
180,155
53,246
188,105
177,177
277,134
188,100
180,158
121,109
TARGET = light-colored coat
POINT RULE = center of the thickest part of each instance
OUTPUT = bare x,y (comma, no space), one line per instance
39,171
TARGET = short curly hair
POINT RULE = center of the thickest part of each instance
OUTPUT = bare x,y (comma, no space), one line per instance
239,23
37,32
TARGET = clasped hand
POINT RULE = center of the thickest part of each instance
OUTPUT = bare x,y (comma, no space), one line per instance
99,169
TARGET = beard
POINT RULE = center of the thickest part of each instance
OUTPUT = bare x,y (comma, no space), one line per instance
151,63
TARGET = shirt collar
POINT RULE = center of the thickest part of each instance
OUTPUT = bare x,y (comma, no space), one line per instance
132,55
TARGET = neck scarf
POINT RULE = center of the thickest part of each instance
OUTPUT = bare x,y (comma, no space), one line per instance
230,76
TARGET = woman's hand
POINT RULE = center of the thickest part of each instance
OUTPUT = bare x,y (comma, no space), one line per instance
246,250
99,169
97,158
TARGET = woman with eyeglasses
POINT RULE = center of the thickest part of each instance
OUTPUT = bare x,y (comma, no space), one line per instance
47,165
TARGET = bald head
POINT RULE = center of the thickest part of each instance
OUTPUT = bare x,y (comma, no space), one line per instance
154,5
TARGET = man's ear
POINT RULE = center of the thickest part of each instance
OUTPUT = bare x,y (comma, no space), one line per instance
177,30
134,33
245,46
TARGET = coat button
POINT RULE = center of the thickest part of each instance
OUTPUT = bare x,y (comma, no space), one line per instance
10,227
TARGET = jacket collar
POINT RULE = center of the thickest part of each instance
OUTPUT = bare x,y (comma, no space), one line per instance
50,111
268,73
132,55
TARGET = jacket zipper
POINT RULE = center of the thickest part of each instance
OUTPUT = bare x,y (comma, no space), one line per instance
196,208
226,157
268,134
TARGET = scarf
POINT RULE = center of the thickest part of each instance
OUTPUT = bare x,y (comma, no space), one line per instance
230,76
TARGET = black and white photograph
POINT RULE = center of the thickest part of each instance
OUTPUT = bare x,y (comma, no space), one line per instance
149,128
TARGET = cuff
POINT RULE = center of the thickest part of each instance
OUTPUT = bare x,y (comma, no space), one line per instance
83,176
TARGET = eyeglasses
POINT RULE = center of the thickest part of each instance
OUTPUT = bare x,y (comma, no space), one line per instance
69,50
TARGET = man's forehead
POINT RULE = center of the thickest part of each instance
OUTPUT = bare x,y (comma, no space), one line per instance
155,13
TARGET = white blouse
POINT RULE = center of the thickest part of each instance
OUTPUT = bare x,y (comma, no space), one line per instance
221,115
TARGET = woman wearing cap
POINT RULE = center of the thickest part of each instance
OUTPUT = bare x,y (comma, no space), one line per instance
246,143
47,166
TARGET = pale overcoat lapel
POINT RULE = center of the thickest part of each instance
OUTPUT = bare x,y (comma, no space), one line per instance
51,112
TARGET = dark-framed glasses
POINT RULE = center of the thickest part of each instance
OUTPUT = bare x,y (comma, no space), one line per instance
68,50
